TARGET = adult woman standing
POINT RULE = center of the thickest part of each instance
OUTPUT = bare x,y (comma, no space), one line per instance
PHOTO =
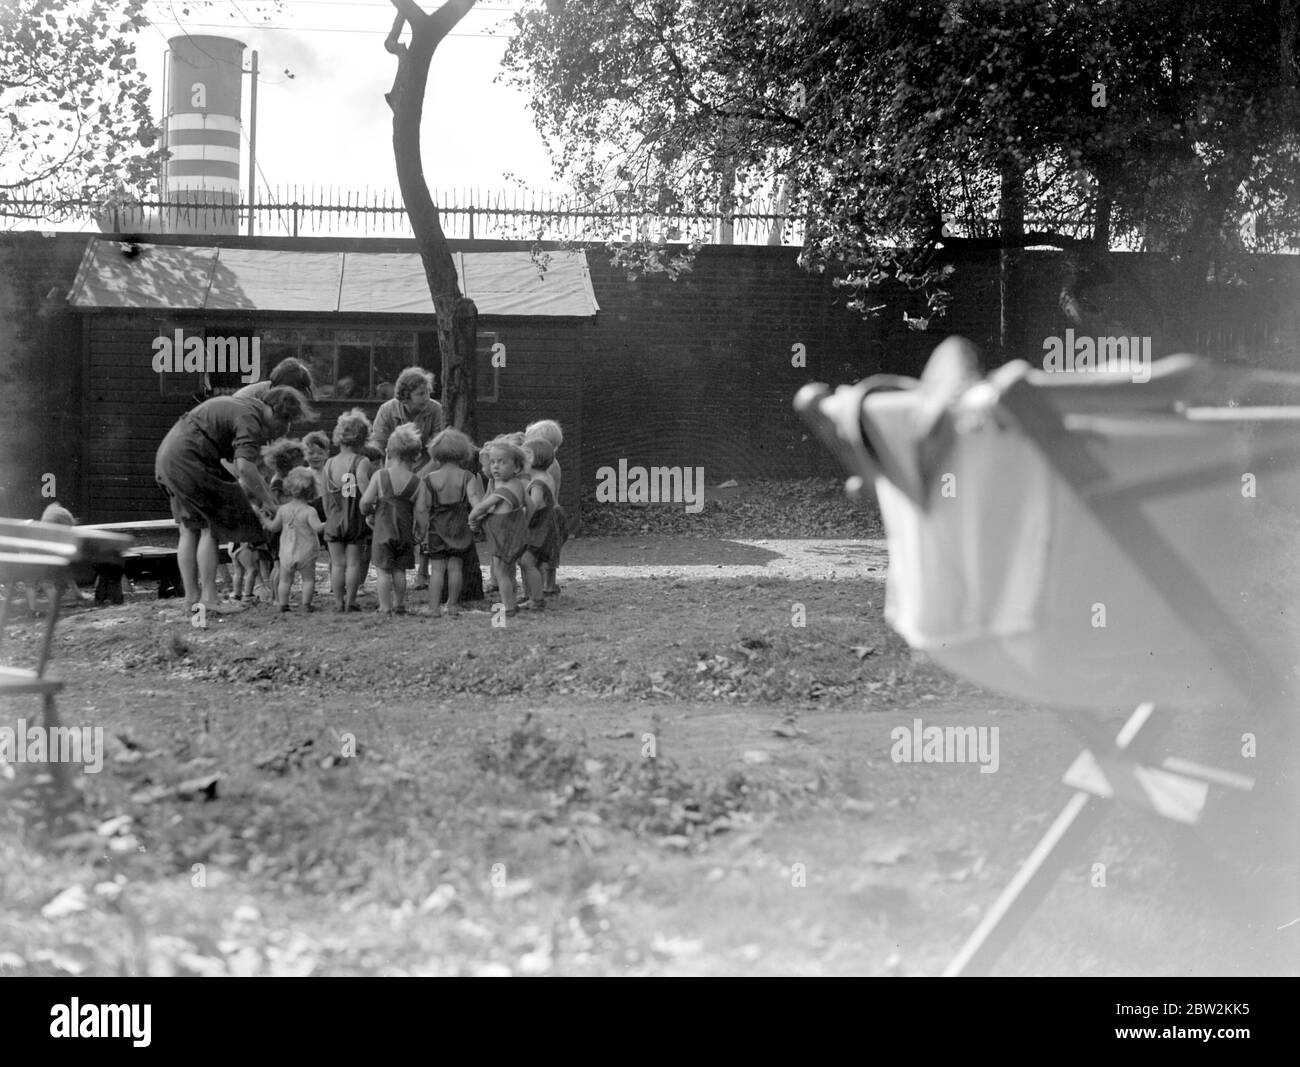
412,402
207,503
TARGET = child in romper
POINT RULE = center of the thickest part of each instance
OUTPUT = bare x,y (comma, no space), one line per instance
347,476
503,516
447,493
542,539
390,497
298,526
550,430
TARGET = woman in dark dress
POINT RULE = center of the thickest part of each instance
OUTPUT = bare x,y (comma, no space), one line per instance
208,504
291,372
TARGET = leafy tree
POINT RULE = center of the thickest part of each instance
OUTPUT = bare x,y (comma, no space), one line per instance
904,130
74,106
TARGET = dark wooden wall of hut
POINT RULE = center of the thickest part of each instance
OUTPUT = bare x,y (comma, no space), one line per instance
127,412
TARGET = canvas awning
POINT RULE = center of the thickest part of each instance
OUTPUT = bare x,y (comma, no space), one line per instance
203,278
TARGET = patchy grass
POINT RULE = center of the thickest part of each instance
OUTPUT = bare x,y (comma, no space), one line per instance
656,777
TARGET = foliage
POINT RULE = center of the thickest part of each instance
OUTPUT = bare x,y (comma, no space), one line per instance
74,102
901,130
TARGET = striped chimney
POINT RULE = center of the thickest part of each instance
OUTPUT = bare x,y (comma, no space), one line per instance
204,87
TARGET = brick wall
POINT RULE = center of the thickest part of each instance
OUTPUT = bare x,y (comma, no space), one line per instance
689,373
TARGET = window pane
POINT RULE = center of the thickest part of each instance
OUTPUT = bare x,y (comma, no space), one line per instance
319,357
389,362
354,369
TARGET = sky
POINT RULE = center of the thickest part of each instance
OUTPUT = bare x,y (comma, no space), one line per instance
328,125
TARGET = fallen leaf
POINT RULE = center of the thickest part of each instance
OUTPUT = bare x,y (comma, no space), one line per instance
888,854
69,902
112,826
193,787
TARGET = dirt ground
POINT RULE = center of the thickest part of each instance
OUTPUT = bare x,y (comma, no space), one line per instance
665,773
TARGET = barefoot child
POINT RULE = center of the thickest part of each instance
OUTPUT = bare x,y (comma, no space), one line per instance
542,538
390,497
298,526
347,476
447,493
550,430
278,458
503,516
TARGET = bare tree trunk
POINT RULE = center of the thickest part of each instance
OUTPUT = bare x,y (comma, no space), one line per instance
1012,228
457,315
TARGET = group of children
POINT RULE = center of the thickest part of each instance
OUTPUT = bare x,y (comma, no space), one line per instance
407,504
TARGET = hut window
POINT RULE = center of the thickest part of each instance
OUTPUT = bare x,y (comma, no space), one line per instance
345,364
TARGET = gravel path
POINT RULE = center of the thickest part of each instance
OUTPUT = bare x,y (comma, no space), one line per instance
657,556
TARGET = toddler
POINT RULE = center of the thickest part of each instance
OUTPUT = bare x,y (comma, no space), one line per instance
503,516
55,588
298,526
550,430
317,448
447,492
347,476
542,538
390,498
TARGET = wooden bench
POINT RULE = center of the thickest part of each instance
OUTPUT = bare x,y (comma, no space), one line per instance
35,552
140,562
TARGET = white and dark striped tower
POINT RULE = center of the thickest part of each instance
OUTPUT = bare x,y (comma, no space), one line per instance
204,95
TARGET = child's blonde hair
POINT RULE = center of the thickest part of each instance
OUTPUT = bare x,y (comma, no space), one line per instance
504,444
352,429
514,438
56,512
300,483
404,443
542,451
284,455
451,446
549,429
318,438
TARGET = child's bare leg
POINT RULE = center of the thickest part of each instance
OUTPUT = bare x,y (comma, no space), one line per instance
455,583
384,584
532,578
356,571
437,572
285,585
506,583
308,584
338,570
399,588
